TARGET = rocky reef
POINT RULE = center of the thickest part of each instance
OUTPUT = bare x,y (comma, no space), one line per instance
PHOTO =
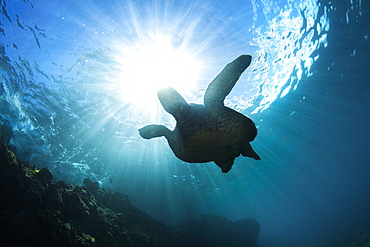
212,230
36,211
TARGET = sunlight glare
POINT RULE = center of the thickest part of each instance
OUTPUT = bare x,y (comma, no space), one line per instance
148,67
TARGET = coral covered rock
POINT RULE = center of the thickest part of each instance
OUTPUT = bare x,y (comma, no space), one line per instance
34,211
37,212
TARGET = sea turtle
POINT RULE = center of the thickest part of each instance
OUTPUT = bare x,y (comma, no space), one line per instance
209,132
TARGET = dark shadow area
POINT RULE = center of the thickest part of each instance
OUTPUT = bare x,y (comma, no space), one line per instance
36,211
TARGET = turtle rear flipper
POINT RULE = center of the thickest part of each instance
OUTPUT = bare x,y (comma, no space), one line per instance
225,165
249,152
221,86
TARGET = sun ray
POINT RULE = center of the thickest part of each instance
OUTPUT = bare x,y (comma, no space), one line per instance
152,64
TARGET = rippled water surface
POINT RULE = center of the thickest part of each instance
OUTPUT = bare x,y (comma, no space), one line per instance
78,78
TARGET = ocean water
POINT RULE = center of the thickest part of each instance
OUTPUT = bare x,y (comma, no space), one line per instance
78,78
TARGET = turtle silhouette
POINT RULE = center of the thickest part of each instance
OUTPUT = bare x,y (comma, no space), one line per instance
209,132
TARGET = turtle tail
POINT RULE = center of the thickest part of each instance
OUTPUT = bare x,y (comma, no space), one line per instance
152,131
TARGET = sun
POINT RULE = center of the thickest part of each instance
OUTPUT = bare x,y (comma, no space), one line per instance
148,66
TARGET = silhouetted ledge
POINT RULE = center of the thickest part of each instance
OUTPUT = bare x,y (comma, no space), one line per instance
212,230
34,211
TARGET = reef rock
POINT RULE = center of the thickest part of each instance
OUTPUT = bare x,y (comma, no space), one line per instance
35,211
217,231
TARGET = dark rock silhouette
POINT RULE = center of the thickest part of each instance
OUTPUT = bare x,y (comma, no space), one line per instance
6,132
35,211
217,231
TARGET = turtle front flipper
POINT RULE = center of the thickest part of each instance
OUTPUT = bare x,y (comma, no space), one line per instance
221,86
172,101
152,131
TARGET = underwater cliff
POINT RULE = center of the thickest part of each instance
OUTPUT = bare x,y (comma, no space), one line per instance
37,211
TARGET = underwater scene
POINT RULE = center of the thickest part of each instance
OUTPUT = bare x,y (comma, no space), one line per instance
185,123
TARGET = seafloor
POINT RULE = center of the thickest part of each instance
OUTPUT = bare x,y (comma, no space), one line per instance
37,211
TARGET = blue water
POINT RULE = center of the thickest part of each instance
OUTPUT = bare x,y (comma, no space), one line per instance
78,78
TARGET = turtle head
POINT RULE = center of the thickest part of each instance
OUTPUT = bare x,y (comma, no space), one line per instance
152,131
